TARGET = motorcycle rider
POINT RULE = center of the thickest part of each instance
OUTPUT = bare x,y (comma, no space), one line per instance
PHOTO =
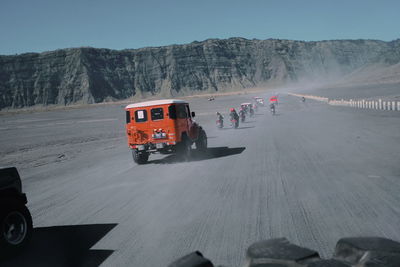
273,99
220,120
303,99
255,106
233,114
234,117
242,114
251,110
272,107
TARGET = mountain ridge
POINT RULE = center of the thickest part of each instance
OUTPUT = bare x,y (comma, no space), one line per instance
91,75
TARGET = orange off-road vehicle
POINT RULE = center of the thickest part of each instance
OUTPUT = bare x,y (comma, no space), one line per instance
163,126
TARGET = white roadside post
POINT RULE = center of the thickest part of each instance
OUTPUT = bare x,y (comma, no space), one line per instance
380,103
393,105
398,105
384,105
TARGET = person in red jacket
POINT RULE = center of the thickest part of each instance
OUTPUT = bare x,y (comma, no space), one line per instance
273,99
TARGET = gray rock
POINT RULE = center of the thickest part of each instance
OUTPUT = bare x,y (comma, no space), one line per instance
279,251
194,259
356,251
368,251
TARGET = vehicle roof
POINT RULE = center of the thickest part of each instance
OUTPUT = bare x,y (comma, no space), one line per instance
156,103
247,103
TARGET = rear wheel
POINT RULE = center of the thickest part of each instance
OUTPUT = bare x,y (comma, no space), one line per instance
16,228
201,142
140,157
184,148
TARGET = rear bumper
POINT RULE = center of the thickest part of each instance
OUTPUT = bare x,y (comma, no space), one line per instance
153,147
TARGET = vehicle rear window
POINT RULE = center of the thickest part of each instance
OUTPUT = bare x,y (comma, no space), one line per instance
172,112
128,116
157,114
181,111
141,115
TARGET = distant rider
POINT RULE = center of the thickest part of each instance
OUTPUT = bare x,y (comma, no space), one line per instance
220,117
220,120
251,110
303,99
242,114
233,114
272,107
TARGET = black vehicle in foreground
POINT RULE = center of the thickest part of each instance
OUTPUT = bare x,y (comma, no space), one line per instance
15,218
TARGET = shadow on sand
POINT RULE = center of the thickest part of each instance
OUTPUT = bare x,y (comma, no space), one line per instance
211,153
63,246
240,127
245,127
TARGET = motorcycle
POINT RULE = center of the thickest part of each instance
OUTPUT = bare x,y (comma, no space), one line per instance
234,123
273,110
242,116
251,113
220,123
255,107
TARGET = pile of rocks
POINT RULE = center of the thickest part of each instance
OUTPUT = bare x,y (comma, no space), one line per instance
353,251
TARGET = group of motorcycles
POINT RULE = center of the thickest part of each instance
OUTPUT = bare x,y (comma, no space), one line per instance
246,109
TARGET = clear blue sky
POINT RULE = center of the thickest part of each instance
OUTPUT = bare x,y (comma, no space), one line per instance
41,25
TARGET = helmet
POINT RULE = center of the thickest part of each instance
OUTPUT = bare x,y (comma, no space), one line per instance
232,109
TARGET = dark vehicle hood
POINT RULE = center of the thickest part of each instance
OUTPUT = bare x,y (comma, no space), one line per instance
9,178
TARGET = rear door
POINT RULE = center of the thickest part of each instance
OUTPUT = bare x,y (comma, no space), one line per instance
139,125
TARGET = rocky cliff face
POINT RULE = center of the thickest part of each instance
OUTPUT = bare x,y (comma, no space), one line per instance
89,75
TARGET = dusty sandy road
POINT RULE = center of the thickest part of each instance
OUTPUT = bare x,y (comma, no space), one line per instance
312,173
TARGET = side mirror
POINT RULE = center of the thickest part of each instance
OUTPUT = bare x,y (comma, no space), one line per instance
193,114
